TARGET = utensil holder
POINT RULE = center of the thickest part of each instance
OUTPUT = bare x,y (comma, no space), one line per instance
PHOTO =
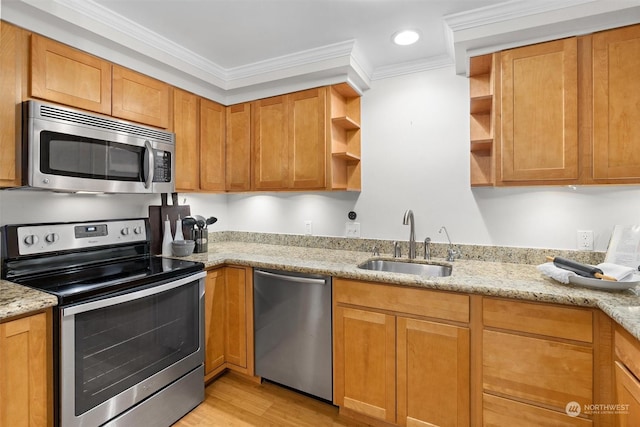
201,237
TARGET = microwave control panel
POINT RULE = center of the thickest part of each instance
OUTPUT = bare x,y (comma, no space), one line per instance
162,168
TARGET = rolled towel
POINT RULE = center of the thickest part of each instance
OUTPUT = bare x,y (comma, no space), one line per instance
620,272
559,274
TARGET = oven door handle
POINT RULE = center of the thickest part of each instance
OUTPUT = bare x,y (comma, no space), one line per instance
94,305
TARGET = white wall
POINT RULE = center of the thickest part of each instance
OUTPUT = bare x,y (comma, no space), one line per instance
415,155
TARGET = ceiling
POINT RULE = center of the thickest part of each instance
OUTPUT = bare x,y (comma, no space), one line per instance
235,50
238,33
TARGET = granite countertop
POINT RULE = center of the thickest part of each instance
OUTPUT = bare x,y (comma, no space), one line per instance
518,281
16,300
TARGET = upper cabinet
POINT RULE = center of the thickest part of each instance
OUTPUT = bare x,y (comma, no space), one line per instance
140,98
289,141
185,126
561,112
307,139
13,82
539,99
616,96
199,125
68,76
238,147
212,145
270,143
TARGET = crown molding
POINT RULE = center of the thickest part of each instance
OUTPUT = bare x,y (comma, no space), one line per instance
412,67
522,22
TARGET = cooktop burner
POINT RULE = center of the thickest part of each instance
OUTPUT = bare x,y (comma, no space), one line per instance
82,261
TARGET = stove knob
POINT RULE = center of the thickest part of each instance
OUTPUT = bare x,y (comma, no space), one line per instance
137,230
30,240
125,231
52,238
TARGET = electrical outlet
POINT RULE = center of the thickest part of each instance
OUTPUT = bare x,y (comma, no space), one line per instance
352,229
585,240
308,228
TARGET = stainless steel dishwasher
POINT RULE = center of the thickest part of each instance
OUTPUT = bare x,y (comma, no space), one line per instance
292,318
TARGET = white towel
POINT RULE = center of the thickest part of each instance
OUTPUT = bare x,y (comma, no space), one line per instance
620,272
559,274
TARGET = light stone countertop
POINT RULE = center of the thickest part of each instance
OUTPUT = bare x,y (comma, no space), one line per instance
16,300
518,281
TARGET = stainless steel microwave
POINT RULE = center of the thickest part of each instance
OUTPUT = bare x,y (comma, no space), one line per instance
73,150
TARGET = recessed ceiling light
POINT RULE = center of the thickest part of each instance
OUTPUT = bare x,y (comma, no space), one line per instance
406,37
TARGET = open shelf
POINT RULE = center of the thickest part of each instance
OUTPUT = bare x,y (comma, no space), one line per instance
345,138
345,122
482,105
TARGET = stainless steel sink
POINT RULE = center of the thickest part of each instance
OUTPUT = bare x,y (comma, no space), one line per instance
434,270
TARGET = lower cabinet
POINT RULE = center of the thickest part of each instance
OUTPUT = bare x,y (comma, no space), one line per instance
537,364
401,354
627,372
228,321
26,379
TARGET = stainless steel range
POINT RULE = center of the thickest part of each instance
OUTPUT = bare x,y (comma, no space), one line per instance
128,330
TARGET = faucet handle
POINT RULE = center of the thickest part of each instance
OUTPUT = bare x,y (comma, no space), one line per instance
376,250
427,248
397,251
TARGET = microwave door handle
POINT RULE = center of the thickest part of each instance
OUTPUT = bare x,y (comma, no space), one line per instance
150,162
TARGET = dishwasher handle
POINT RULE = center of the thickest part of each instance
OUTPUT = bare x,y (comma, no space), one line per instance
297,279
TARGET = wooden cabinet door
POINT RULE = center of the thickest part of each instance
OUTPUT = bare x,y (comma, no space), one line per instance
140,98
214,308
270,144
238,148
212,142
364,362
25,372
13,76
616,95
185,126
627,393
68,76
236,316
539,102
307,139
433,374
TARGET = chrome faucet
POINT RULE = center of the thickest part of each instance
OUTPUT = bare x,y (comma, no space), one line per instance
452,253
408,220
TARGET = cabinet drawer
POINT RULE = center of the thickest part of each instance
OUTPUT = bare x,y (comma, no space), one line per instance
402,299
627,350
542,319
497,411
540,370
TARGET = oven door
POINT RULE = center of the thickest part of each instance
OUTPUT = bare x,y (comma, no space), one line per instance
117,352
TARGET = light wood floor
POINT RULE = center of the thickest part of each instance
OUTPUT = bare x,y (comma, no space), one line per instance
232,401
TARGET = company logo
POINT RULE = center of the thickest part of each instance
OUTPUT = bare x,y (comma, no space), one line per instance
572,409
